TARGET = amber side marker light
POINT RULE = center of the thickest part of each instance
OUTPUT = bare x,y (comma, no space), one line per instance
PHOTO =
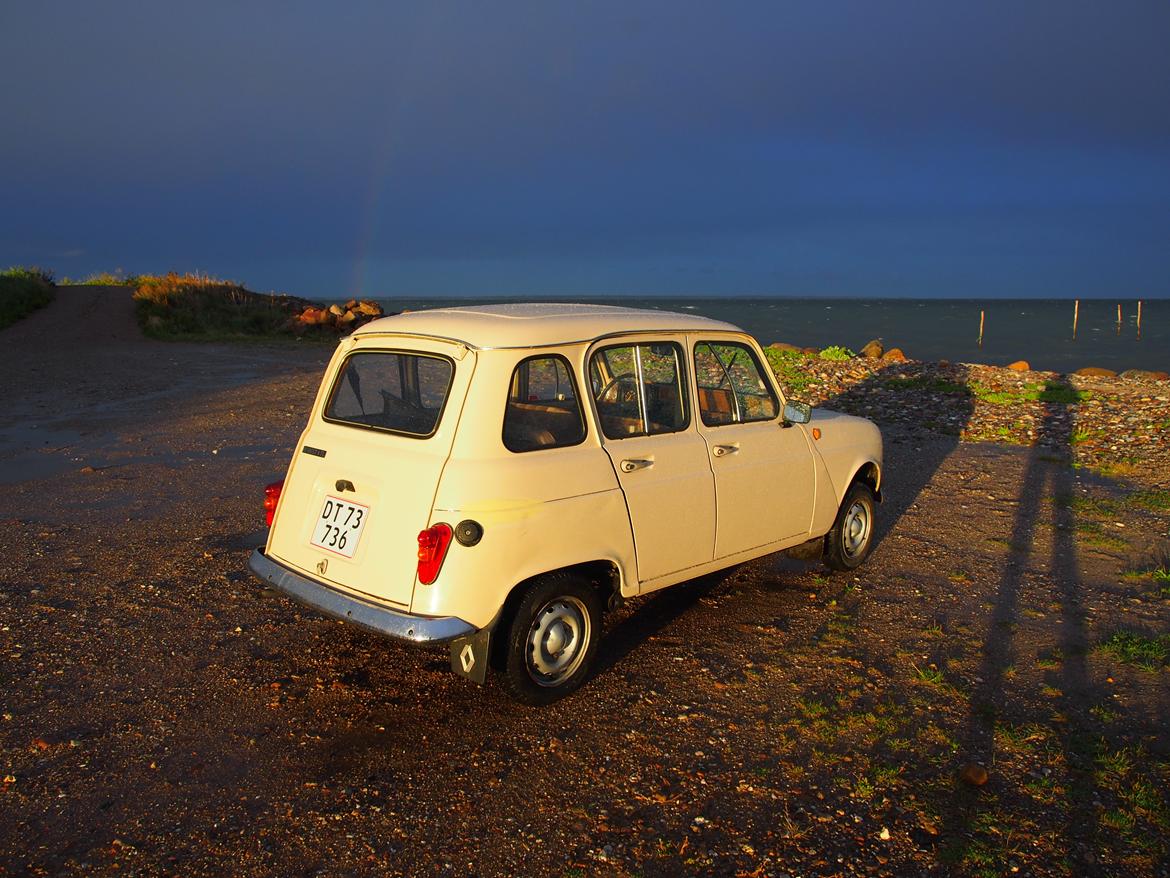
816,432
432,549
271,498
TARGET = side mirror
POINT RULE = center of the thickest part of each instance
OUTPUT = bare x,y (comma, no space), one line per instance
797,412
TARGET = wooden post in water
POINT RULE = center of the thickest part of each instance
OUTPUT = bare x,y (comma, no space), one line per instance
1119,318
981,328
1139,318
1076,314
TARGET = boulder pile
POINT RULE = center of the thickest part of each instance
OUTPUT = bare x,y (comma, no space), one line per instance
340,318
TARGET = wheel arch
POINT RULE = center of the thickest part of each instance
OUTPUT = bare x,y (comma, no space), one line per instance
869,473
603,574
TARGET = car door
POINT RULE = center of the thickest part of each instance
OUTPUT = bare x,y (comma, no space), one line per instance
763,467
642,405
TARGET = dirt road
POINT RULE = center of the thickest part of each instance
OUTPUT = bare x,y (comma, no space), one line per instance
162,714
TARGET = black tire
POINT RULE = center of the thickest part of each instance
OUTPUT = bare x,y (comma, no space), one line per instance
552,639
851,538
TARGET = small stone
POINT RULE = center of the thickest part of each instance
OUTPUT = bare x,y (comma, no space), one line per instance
884,835
974,774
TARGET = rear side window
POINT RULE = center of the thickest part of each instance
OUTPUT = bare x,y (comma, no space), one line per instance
732,386
388,390
543,410
639,389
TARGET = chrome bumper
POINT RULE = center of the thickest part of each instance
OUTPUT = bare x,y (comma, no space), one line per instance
376,618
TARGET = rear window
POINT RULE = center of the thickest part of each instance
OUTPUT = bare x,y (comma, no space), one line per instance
388,390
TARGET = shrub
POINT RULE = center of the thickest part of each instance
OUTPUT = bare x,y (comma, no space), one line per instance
22,291
836,352
195,306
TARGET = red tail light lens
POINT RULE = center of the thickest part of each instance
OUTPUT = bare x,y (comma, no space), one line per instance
432,549
271,498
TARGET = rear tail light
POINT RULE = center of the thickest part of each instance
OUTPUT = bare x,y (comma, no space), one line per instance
432,549
271,498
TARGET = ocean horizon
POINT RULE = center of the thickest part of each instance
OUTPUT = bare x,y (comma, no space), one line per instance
1039,331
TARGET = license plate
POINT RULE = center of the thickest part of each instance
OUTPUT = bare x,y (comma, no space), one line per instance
339,527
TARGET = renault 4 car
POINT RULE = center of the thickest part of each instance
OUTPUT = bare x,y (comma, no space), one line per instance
497,478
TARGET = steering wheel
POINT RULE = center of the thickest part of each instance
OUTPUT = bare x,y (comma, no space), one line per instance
615,382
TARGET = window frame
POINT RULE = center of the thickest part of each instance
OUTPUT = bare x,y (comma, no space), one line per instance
333,391
576,396
761,371
683,382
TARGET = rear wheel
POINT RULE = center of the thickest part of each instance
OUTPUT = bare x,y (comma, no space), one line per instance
851,538
552,638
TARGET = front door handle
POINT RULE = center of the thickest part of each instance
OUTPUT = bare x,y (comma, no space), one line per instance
630,464
722,450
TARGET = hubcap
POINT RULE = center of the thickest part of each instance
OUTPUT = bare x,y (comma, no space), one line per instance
557,640
855,533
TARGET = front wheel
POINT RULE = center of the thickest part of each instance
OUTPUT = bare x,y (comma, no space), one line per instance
851,538
552,639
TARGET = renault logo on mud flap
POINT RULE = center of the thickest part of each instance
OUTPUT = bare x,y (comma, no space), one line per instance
467,658
322,566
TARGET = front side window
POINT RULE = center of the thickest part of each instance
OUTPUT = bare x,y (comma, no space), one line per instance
732,386
639,389
543,410
388,390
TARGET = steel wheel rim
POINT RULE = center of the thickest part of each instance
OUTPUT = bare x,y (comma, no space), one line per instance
557,640
855,529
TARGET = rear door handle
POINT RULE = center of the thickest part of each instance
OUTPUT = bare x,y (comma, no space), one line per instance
722,450
630,464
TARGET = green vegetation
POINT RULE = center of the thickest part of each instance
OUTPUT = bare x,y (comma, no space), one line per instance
1153,500
175,306
836,352
1140,650
1050,392
789,368
22,291
104,279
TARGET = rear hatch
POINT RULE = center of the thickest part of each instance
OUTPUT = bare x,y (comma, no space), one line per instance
363,477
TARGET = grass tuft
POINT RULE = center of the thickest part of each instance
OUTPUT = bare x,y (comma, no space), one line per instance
1140,650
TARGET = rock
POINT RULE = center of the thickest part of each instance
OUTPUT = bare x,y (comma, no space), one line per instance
351,304
1019,366
814,352
373,309
1145,375
336,310
873,350
1095,372
974,774
314,316
347,318
894,355
783,346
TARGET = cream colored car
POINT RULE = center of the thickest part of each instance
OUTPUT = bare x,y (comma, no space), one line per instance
497,477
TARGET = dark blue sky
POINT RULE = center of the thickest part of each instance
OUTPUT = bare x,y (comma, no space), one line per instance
829,148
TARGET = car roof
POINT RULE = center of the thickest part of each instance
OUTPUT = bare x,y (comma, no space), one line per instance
536,324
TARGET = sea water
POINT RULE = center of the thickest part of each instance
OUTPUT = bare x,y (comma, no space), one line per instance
1039,331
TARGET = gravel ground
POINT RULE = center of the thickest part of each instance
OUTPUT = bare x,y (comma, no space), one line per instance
164,714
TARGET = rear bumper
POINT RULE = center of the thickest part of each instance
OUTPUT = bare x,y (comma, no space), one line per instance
371,616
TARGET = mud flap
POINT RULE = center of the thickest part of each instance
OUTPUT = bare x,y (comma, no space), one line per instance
469,655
